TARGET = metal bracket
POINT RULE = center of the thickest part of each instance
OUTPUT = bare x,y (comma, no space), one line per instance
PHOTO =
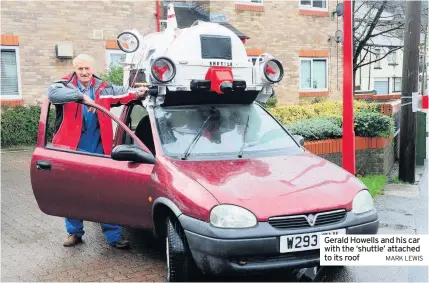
414,101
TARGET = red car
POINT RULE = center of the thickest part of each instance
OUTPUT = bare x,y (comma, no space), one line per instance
224,185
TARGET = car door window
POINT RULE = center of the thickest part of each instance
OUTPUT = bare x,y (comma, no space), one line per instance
91,132
136,114
138,121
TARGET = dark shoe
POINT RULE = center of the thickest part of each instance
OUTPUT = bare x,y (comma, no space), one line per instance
72,240
121,244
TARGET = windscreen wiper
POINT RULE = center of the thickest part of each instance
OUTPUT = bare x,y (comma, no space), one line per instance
194,141
240,154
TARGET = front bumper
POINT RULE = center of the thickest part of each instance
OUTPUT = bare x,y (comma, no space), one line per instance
219,251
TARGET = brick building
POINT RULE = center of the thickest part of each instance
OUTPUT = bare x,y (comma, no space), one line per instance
300,33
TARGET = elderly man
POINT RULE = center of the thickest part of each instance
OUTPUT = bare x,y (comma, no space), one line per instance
79,127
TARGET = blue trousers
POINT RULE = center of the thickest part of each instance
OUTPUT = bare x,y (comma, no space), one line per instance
111,232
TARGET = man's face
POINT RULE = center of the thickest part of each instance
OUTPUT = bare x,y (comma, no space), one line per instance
83,71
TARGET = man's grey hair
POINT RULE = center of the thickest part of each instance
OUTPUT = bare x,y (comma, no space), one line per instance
83,57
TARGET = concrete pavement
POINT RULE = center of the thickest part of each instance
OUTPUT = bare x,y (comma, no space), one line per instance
31,242
403,209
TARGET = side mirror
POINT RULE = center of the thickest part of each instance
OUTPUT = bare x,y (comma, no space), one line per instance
299,139
125,152
128,42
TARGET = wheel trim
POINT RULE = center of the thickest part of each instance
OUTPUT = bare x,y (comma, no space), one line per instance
168,259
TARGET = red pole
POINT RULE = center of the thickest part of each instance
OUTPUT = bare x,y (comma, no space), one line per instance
158,16
348,123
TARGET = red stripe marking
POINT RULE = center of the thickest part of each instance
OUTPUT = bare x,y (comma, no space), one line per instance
171,16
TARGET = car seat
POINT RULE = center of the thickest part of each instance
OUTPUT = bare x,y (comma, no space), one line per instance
144,133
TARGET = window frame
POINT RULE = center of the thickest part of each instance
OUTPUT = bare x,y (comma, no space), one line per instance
394,81
18,73
110,52
249,2
377,65
311,74
48,145
311,7
392,58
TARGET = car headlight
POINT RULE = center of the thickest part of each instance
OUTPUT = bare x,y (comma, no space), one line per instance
231,216
362,202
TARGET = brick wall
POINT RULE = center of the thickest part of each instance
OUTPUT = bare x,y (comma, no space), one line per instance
284,30
368,161
40,25
278,27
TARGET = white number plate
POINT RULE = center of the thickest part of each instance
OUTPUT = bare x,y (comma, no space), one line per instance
305,242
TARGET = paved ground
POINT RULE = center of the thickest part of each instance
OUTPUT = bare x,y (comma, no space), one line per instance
403,209
31,242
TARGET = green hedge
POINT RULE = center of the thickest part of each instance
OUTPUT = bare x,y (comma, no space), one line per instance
367,124
316,129
373,125
19,125
289,114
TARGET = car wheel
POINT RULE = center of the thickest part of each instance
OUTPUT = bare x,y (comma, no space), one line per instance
180,264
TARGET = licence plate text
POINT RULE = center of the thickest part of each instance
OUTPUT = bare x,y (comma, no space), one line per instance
304,242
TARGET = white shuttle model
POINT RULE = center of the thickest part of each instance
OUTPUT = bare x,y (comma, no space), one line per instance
204,60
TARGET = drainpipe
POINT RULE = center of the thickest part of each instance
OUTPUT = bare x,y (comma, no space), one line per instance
158,16
369,72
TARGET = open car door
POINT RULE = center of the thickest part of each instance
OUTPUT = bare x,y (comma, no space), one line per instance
94,187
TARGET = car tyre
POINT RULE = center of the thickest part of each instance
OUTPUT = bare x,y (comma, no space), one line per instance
180,263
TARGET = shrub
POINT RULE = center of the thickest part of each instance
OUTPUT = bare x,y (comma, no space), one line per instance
19,125
292,113
289,114
271,102
367,124
373,125
114,75
316,129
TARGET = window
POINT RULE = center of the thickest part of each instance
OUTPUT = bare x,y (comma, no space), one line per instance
88,149
377,65
313,4
313,74
227,130
114,57
10,73
391,58
138,121
397,84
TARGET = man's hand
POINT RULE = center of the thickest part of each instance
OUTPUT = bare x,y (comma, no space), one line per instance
142,92
87,99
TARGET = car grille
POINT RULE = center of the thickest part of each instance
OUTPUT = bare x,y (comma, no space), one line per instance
304,220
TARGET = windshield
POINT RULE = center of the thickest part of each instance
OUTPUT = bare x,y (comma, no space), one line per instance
223,130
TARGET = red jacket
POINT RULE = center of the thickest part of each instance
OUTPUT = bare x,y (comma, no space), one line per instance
69,113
